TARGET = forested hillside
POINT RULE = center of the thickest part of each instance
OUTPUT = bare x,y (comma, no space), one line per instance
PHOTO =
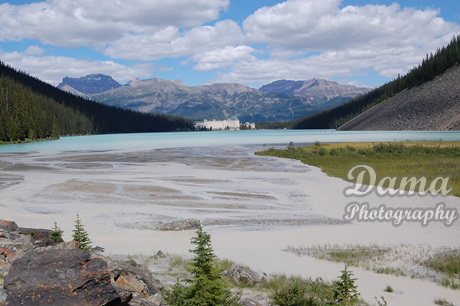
432,66
33,109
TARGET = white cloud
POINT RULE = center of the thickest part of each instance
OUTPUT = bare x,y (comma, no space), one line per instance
223,57
386,62
52,69
34,50
172,42
321,25
345,41
72,23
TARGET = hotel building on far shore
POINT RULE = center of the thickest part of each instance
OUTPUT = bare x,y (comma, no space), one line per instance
215,125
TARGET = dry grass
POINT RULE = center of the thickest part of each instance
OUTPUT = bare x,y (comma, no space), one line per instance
440,265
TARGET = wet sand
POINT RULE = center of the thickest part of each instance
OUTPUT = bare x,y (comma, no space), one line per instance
253,206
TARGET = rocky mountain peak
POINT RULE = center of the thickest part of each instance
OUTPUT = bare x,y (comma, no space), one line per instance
90,84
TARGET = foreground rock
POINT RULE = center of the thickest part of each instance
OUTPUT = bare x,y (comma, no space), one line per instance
60,277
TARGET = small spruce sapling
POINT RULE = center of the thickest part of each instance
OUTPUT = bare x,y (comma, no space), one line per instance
346,292
56,234
206,288
81,236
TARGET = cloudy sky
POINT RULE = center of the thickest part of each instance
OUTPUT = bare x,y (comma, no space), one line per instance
254,42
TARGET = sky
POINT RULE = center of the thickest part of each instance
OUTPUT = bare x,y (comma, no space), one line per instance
252,42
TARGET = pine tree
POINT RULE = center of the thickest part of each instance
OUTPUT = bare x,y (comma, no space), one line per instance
56,234
207,287
346,292
81,236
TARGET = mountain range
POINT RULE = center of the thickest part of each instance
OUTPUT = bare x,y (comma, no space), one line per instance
278,101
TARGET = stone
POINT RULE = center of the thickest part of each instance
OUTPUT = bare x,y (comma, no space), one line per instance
130,283
60,277
10,226
22,242
135,279
142,276
179,225
249,302
60,246
98,249
2,296
138,300
240,274
4,253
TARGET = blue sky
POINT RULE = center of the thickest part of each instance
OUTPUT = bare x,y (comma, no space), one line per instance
360,42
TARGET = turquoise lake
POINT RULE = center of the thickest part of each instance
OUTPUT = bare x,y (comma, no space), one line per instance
144,141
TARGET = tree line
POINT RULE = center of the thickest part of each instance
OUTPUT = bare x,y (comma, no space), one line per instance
32,109
431,66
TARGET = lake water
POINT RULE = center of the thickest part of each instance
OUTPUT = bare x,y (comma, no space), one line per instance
143,141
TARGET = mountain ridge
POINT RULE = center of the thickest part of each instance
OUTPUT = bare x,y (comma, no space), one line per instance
314,87
219,100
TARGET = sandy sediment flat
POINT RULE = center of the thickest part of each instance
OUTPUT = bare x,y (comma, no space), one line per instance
253,206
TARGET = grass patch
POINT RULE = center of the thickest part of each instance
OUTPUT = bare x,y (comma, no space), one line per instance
390,271
132,262
389,159
297,291
353,255
223,264
443,302
446,262
294,290
388,288
177,261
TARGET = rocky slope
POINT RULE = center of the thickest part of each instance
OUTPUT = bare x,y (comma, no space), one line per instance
90,84
433,105
319,91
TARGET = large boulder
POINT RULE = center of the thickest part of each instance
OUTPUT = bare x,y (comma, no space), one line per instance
60,277
243,275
